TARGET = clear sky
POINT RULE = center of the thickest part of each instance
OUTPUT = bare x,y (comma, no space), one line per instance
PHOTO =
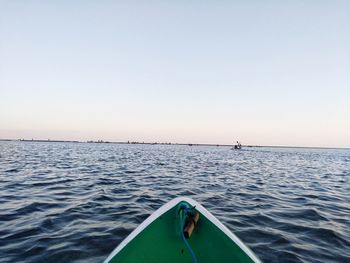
262,72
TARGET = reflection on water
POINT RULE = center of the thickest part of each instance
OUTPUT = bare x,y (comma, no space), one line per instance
74,202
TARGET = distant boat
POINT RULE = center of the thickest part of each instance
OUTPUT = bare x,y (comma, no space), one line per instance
237,146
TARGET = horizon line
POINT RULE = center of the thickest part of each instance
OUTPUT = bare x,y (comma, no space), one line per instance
172,143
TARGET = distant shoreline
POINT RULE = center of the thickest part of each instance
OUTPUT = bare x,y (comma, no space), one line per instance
169,143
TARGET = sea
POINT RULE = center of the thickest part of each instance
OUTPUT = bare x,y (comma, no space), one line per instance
75,202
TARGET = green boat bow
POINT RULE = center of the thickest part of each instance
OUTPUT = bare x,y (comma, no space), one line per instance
162,237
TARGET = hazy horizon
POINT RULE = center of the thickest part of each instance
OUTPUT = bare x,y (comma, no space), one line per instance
264,73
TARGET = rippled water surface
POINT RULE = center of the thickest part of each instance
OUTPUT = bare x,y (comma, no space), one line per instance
74,202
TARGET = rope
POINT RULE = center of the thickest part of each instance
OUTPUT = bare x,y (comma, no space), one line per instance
185,209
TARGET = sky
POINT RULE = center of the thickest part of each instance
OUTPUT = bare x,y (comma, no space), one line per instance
262,72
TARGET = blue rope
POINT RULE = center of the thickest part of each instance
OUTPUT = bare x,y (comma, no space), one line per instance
185,209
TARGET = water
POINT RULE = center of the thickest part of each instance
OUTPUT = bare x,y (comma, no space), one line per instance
74,202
